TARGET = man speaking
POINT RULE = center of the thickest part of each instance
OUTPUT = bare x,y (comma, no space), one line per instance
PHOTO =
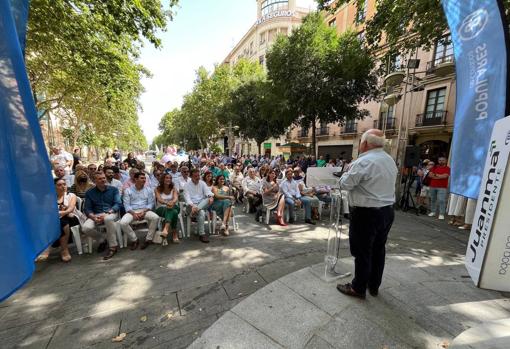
371,185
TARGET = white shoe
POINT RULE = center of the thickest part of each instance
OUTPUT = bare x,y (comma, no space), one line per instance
441,217
431,214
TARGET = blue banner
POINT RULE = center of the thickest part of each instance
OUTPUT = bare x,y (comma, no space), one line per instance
479,43
28,208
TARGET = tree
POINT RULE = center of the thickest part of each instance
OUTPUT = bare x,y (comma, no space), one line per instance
421,22
81,61
256,111
322,77
204,111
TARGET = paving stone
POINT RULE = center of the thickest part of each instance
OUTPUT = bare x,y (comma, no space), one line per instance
318,343
61,298
243,285
323,295
86,332
232,332
351,329
491,334
281,314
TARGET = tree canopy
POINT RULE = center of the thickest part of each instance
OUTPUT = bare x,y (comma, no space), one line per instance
322,77
81,61
421,22
206,111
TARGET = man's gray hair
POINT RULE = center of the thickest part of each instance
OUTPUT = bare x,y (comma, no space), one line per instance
373,139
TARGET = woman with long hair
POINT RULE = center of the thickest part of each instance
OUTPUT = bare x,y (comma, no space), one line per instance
81,184
271,196
208,179
166,205
68,218
222,203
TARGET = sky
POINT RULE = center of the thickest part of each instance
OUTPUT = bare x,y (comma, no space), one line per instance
202,33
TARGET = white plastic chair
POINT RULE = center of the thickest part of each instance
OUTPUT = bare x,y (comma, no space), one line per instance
76,231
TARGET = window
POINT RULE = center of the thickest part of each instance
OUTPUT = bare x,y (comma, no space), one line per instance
394,62
269,6
284,31
251,48
332,23
262,38
361,36
261,60
444,50
435,105
272,35
361,13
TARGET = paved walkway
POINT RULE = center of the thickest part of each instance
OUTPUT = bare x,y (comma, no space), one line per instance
166,297
424,302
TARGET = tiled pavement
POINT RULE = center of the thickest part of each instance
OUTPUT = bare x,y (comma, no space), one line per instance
165,297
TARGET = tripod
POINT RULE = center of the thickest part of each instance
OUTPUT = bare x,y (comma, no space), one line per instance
407,201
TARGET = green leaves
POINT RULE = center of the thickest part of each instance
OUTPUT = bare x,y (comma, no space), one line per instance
206,110
322,77
81,58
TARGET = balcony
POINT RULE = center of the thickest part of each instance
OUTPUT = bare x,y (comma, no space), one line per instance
391,123
436,118
441,66
303,133
323,131
350,128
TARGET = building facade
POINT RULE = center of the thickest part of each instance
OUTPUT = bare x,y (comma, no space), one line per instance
418,100
274,17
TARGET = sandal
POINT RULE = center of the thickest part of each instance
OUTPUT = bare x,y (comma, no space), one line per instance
65,256
43,256
163,235
175,238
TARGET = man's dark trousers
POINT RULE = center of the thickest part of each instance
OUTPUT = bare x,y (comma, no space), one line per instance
368,232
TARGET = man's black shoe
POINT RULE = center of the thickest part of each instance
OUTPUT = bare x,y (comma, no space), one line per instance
102,247
337,174
373,293
146,244
204,239
111,253
349,291
309,221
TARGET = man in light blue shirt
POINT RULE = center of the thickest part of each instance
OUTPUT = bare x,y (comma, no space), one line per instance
370,181
293,197
138,202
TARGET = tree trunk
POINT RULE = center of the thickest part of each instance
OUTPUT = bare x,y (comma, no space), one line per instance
259,144
314,139
200,142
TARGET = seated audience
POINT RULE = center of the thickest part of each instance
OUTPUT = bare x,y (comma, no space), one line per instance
222,203
198,198
138,202
81,184
237,183
167,205
91,170
293,198
208,179
251,190
102,205
272,198
60,173
68,214
110,180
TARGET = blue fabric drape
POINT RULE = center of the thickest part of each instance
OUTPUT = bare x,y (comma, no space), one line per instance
28,210
480,47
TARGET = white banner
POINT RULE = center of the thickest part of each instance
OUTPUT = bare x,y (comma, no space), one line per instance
488,251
